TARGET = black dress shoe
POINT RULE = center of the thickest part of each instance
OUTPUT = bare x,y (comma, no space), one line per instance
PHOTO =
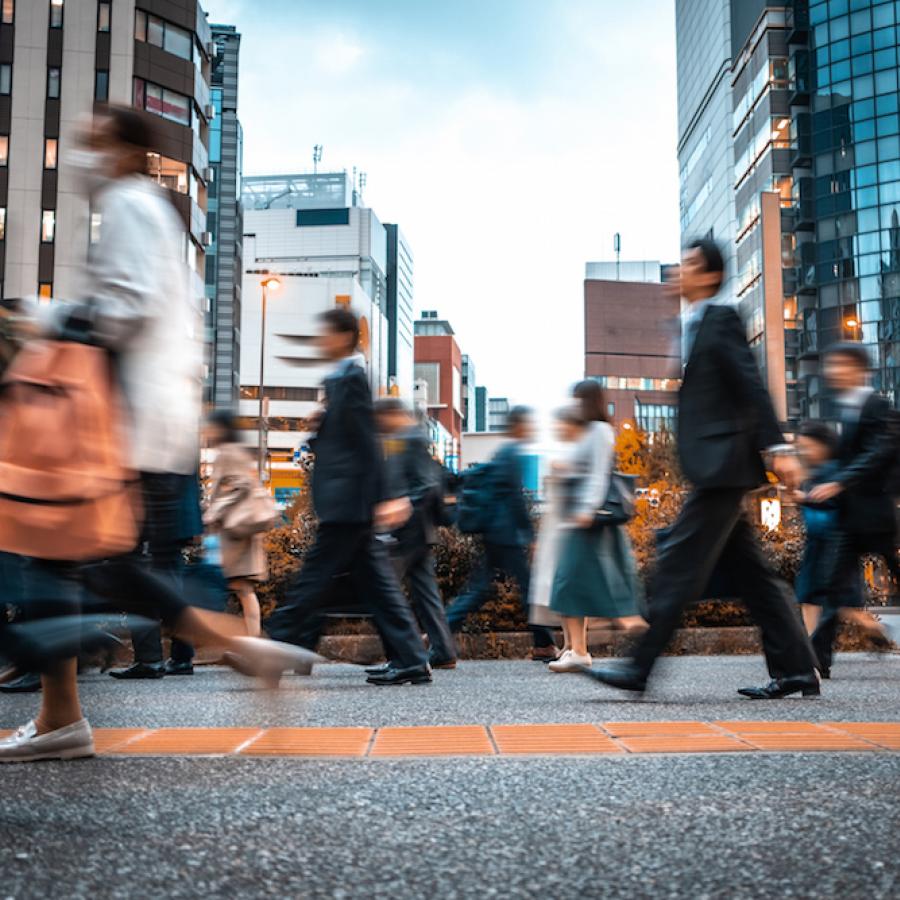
807,685
378,670
179,668
29,683
139,670
626,676
825,674
411,675
442,662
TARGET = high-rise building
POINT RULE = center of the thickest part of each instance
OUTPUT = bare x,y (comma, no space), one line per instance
481,409
846,133
498,413
468,392
225,223
59,59
400,298
632,343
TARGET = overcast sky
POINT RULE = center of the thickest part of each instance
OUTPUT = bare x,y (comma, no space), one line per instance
510,139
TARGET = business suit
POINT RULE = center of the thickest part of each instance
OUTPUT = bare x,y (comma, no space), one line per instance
414,474
866,456
348,481
725,421
506,544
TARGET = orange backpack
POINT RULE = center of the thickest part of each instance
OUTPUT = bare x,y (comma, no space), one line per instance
65,490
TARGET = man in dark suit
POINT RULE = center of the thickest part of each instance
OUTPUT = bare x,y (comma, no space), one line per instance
725,422
867,454
509,538
352,499
415,475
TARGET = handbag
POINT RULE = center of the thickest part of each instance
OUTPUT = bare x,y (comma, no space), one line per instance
618,508
243,513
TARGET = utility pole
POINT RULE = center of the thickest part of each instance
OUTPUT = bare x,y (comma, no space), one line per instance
617,246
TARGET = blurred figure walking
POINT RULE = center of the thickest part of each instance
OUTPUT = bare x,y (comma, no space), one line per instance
508,534
596,575
863,486
725,422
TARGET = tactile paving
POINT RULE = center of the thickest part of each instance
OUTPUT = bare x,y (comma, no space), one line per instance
310,742
686,743
552,739
189,741
656,729
441,740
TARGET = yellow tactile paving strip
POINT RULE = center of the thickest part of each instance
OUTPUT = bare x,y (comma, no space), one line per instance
607,738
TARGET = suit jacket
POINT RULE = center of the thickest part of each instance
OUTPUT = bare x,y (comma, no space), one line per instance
348,476
868,453
725,415
414,474
511,524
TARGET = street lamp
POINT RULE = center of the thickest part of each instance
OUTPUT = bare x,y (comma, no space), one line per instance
267,284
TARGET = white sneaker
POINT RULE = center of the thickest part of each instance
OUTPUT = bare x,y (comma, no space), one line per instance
26,745
570,662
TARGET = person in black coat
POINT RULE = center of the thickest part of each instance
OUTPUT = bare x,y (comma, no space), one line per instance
352,499
867,457
725,423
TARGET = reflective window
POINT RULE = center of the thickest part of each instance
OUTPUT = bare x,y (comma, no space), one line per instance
161,101
2,223
56,13
103,16
8,12
45,292
101,86
153,30
5,78
4,149
51,146
53,78
48,226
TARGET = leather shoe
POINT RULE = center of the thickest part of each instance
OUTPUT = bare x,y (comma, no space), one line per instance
442,662
29,683
139,670
378,670
626,676
179,668
411,675
807,685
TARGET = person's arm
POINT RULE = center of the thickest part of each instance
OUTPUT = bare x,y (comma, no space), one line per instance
882,447
595,485
514,474
422,476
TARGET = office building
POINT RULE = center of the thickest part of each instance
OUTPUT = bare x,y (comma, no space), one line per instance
632,346
224,223
468,392
438,376
312,233
498,414
399,311
481,409
59,59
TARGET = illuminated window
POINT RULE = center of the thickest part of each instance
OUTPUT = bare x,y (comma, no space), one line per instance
4,149
8,13
2,223
45,292
103,16
95,227
51,147
48,226
56,13
140,25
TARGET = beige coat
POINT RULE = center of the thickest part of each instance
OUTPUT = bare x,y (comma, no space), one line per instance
234,471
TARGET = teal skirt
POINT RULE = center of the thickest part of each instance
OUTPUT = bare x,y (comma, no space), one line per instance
595,575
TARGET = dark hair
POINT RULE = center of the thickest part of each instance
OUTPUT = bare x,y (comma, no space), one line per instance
387,405
851,350
341,320
130,126
821,434
226,422
712,256
592,400
518,415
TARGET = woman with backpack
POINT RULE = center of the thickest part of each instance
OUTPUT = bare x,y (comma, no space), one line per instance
595,574
235,487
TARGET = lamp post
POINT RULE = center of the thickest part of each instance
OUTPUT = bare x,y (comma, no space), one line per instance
267,284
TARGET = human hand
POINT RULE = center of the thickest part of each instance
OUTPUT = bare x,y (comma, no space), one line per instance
788,470
822,493
392,514
583,520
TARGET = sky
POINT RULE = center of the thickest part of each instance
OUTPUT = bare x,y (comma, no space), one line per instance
509,139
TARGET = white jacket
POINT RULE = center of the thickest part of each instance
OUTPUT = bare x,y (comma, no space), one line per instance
139,305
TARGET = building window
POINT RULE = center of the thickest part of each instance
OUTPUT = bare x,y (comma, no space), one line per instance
8,13
2,223
4,150
45,291
162,102
140,26
611,410
153,30
95,227
48,226
51,147
101,86
53,78
103,16
56,13
5,79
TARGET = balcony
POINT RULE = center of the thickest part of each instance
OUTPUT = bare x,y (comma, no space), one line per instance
797,21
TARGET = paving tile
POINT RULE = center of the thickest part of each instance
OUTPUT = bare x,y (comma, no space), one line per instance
442,740
742,727
552,739
107,740
805,742
684,743
863,729
310,742
657,729
189,741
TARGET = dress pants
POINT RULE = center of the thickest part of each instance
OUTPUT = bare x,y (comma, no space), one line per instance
352,549
711,529
845,553
497,560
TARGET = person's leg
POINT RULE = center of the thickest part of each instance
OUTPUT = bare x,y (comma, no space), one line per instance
476,594
249,605
842,588
60,705
811,614
824,637
147,644
685,562
425,597
577,631
515,562
771,603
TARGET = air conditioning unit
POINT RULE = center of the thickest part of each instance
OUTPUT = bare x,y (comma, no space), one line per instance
209,111
206,238
209,174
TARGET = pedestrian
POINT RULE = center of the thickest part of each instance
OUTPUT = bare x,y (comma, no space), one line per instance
596,575
509,535
138,306
234,482
864,487
351,499
725,423
416,476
